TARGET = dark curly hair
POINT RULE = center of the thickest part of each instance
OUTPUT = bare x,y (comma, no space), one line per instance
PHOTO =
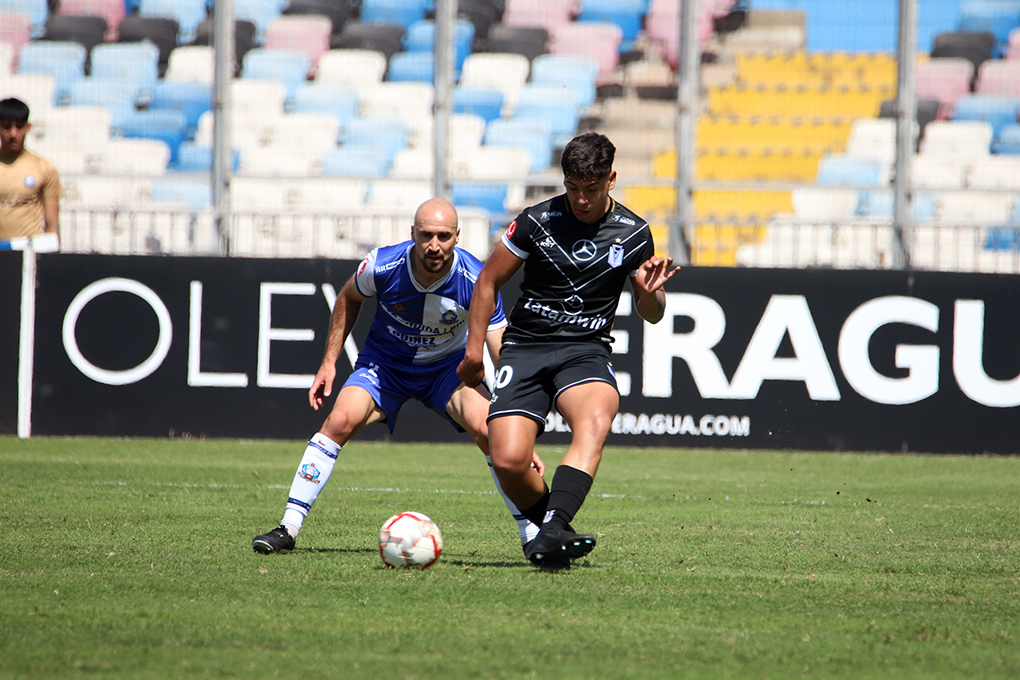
588,156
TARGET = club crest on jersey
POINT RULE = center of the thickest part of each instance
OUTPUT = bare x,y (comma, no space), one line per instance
583,250
615,255
449,317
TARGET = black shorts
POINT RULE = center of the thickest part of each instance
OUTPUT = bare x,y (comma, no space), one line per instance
531,376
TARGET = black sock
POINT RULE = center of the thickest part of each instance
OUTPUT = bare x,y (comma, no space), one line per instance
569,488
536,513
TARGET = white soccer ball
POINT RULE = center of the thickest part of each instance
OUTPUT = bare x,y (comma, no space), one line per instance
410,540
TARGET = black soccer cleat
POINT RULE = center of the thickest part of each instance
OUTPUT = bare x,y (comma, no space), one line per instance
278,540
554,545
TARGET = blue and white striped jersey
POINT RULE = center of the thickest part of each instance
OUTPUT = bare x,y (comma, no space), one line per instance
414,324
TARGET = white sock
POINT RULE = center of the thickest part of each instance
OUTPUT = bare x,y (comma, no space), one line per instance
527,529
312,474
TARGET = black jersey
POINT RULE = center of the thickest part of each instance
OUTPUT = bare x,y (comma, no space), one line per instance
573,272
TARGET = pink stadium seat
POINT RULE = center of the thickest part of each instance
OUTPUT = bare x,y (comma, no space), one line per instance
16,31
113,11
944,80
661,25
552,15
598,40
999,77
308,34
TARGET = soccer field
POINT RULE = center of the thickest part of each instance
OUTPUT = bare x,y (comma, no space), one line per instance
132,559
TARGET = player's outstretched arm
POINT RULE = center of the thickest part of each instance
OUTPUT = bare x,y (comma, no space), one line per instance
650,299
501,265
345,314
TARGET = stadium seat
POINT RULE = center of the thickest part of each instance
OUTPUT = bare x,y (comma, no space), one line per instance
490,197
417,163
964,207
166,125
264,96
36,10
86,128
999,77
272,161
997,17
192,64
137,63
1008,141
552,104
421,37
944,79
190,99
187,13
527,41
111,11
286,66
481,13
401,13
1014,44
351,67
533,135
995,173
88,31
356,160
841,170
306,131
997,111
118,96
15,31
247,131
552,15
410,102
360,35
978,47
487,103
161,31
937,172
626,14
505,72
851,27
306,34
492,163
337,12
64,61
194,157
135,157
411,67
962,140
337,100
824,203
389,136
593,40
879,203
391,193
873,138
244,39
260,13
328,194
579,73
804,102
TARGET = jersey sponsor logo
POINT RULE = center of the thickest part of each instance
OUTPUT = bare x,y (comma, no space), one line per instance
551,213
625,220
615,255
548,242
511,229
572,318
361,269
583,250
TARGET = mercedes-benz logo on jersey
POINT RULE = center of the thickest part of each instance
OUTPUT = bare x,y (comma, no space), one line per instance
583,250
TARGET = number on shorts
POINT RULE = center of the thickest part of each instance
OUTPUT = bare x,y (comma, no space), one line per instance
504,376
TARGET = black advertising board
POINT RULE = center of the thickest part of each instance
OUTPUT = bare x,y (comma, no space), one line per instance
10,330
790,359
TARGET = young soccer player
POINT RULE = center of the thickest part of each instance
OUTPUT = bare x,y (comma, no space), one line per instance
424,290
578,251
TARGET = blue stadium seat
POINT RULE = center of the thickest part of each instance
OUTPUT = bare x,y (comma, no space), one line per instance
483,102
187,13
165,125
577,73
337,100
118,96
390,136
198,158
289,67
197,193
534,135
137,63
411,67
627,14
840,170
402,13
421,37
36,10
998,17
1008,141
491,197
554,105
65,61
190,99
357,160
260,13
879,203
995,110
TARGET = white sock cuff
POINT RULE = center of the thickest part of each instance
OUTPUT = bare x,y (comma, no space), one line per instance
325,444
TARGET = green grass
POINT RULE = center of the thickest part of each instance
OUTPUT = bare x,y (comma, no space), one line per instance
132,559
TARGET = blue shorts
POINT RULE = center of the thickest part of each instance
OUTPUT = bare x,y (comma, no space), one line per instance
391,384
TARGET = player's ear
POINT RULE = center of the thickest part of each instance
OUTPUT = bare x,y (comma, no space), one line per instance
611,182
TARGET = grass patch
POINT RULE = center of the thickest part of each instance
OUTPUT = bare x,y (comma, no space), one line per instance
132,559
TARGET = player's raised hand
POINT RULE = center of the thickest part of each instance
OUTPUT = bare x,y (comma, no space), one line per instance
655,272
322,387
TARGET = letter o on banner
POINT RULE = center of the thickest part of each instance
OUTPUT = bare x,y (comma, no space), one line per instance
131,375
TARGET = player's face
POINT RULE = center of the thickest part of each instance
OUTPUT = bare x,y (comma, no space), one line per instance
12,135
589,198
433,245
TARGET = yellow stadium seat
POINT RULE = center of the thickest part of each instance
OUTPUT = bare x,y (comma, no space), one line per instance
810,101
840,69
660,234
740,205
784,165
818,135
717,245
649,200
